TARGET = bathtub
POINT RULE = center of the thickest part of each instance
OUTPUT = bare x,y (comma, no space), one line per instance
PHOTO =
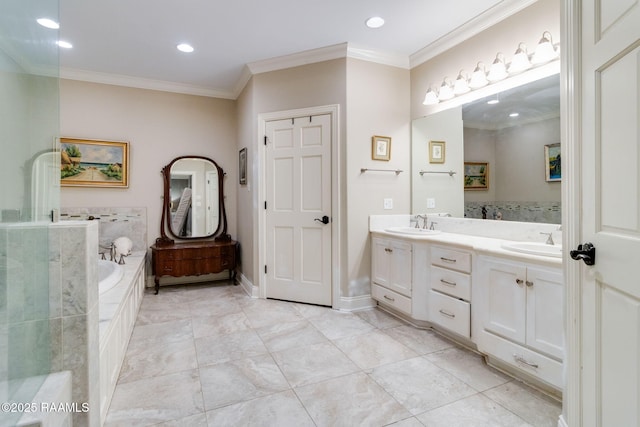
117,312
109,274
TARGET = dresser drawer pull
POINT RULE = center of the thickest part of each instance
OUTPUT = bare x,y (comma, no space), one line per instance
388,250
389,298
446,282
448,259
522,360
446,313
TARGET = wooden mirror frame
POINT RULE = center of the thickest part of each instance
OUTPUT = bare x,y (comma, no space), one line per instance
220,234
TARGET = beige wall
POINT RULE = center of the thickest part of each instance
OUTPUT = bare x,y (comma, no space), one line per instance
298,87
526,26
159,127
377,104
445,190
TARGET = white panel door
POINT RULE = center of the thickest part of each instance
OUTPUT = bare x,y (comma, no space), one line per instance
610,71
298,196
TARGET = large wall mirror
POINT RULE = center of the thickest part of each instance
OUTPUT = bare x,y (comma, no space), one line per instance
504,150
193,199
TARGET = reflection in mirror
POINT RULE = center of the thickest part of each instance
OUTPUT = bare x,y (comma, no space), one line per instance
513,148
193,193
511,136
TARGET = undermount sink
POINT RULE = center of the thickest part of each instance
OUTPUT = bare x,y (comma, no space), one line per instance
534,248
412,230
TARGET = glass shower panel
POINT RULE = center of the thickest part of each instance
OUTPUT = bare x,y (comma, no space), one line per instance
29,191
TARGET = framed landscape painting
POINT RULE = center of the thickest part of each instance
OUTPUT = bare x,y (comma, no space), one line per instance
552,161
476,175
94,163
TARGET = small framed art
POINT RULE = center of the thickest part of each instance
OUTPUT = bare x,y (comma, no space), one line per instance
242,166
381,147
476,175
436,151
552,162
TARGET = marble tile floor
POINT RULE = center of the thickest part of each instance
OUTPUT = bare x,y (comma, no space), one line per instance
208,355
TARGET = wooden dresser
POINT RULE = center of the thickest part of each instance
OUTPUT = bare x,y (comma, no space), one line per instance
193,259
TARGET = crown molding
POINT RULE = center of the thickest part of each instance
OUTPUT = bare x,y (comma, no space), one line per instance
297,59
385,58
469,29
141,83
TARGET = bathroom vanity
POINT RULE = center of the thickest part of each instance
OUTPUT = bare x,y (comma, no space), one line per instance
503,303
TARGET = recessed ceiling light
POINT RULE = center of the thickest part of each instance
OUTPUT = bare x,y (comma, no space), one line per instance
374,22
48,23
514,114
184,47
492,101
63,44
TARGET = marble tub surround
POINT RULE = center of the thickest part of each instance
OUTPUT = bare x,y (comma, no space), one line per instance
503,230
113,223
73,295
368,369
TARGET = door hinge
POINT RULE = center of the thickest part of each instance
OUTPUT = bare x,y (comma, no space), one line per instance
265,269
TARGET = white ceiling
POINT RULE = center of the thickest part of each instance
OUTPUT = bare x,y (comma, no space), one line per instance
136,39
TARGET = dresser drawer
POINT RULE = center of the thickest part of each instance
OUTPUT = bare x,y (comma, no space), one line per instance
452,314
391,298
451,258
451,282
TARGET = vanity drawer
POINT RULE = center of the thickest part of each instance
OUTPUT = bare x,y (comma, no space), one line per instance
451,282
391,298
450,258
526,360
452,314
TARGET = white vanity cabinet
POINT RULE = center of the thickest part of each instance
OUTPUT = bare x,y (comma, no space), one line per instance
450,293
391,272
519,316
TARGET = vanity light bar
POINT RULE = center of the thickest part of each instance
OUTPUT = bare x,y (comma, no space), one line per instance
545,52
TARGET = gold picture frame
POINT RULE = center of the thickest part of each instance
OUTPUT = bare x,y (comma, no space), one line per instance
381,148
94,163
476,176
436,151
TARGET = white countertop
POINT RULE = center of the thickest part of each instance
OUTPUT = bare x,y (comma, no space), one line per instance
482,245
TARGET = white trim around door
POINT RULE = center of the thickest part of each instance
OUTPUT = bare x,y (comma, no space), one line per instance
334,111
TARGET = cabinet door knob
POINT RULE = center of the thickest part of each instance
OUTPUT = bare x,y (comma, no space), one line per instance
529,283
519,281
388,250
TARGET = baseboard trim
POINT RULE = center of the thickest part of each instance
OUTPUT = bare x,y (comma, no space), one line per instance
356,303
247,285
562,422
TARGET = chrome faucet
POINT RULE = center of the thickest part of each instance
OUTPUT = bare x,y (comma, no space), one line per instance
549,238
431,227
424,221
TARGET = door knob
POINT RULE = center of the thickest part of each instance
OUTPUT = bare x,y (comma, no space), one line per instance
324,220
585,252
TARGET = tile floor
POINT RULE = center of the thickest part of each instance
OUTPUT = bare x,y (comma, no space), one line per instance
208,355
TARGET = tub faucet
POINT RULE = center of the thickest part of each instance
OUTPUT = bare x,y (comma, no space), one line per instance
549,238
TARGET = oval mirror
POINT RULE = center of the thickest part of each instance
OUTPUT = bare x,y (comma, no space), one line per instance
194,201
